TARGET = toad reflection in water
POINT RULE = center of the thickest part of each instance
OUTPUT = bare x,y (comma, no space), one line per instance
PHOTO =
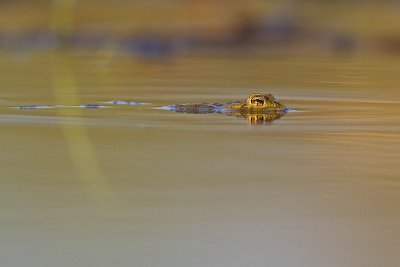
257,108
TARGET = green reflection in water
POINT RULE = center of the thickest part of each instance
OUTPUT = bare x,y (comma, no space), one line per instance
75,133
66,92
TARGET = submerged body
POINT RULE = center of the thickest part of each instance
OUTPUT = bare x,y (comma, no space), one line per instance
254,104
257,108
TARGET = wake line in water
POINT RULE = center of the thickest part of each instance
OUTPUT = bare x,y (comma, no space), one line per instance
29,119
86,106
342,100
61,120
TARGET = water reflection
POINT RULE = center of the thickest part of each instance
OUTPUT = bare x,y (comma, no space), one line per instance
261,119
253,118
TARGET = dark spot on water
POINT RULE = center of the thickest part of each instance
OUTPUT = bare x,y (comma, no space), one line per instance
91,106
34,107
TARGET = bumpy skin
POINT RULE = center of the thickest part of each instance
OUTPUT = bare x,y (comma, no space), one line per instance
254,104
257,108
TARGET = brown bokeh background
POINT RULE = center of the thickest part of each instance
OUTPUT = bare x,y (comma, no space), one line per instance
168,28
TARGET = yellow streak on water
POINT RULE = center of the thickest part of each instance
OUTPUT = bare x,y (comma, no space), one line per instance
66,92
75,133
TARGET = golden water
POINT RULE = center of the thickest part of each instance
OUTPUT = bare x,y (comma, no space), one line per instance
140,186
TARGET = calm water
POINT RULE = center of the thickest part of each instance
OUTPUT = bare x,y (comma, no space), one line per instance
141,186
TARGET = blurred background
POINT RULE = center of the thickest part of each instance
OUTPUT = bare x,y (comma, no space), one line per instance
170,28
296,37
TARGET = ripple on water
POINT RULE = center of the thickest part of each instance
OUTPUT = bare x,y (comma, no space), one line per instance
122,102
35,107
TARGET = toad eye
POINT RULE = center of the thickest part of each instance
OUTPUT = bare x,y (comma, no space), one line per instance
257,101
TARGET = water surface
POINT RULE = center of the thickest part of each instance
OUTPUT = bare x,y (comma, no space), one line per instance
142,186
